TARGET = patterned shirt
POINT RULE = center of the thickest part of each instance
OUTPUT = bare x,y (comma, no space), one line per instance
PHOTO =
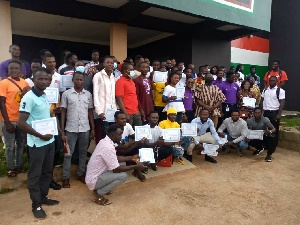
103,159
209,95
77,105
92,71
90,64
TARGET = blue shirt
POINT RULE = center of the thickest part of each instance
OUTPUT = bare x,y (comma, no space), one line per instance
38,108
204,126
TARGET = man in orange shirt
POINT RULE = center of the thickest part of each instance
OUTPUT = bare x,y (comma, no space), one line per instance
12,90
277,72
126,96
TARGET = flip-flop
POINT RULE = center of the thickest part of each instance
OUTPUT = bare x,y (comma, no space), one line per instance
101,201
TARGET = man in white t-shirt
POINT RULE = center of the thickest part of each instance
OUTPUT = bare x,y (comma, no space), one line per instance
273,101
127,146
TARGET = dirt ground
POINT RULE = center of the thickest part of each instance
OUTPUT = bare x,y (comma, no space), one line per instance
234,191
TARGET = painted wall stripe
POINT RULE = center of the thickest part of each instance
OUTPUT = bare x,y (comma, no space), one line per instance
254,44
249,57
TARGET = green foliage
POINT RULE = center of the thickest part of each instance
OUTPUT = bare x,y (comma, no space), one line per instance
291,122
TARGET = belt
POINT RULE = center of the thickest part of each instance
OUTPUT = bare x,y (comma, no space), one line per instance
271,111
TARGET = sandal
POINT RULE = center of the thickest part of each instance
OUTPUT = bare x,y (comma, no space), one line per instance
101,201
139,175
153,166
179,161
11,173
66,183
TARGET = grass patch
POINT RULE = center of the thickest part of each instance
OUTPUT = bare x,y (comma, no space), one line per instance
291,122
4,191
3,165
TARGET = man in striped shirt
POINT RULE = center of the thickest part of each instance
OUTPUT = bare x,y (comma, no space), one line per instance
71,59
210,97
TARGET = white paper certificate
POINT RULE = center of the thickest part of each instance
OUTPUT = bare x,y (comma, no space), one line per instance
46,126
142,132
180,92
110,115
189,129
160,77
52,95
256,134
249,102
210,149
66,81
146,155
171,134
224,140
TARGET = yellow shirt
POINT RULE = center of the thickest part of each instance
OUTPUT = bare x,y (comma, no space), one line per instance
158,93
165,124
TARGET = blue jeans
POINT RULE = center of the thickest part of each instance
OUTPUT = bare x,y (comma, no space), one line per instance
15,143
83,139
242,145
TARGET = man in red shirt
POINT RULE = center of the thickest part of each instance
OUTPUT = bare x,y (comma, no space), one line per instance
126,96
280,74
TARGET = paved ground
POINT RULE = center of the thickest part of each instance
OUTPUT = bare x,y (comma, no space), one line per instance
235,191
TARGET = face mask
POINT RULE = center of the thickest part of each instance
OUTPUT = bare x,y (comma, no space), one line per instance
131,74
115,65
80,69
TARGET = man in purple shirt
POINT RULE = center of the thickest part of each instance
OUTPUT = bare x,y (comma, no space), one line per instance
230,90
188,101
218,82
15,52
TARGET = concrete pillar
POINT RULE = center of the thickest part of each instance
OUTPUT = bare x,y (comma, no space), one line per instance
5,29
118,40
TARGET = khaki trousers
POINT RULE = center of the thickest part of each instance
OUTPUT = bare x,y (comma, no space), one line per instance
205,138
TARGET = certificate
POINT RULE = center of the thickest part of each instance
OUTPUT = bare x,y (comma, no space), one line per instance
110,115
160,76
45,126
224,140
256,134
171,134
52,95
66,81
180,92
249,102
146,155
210,149
189,129
142,132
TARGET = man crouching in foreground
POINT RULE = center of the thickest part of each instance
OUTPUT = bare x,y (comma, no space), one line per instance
104,173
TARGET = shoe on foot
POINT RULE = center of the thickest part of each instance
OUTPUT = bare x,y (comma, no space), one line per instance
48,201
268,158
39,213
240,153
210,159
257,152
81,178
54,185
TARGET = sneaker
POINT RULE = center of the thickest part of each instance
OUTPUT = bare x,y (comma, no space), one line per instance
257,152
39,213
48,201
210,159
268,158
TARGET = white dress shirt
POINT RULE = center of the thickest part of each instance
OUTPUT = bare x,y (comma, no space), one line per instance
104,92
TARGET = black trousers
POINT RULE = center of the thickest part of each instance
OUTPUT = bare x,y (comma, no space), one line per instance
39,174
269,143
190,115
272,117
162,115
227,114
161,153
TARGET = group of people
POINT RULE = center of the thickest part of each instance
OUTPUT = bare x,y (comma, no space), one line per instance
213,99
